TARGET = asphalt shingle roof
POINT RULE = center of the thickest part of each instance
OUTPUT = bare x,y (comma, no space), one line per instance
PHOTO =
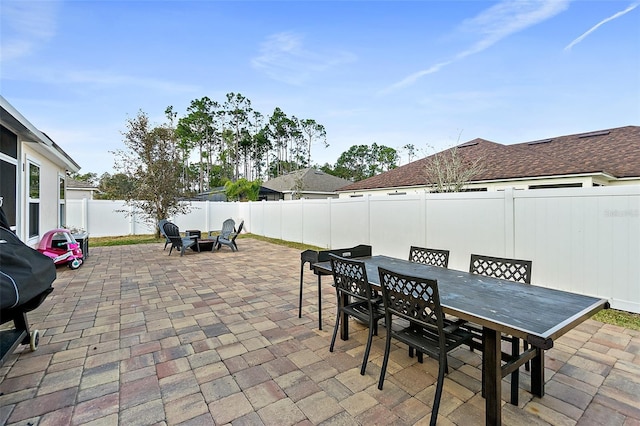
312,180
613,151
79,184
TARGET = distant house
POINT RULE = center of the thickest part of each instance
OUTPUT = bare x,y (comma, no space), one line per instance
33,173
599,158
306,183
267,194
214,194
77,190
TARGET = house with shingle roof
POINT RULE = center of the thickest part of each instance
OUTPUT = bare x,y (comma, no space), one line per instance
306,183
77,189
598,158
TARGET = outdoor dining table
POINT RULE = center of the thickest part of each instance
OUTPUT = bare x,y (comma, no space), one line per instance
536,314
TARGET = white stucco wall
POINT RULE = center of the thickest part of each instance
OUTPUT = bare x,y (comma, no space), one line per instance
49,191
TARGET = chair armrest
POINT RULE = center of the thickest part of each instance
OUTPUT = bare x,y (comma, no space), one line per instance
215,233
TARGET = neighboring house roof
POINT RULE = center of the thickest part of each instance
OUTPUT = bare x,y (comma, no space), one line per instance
81,185
29,133
614,152
266,191
306,180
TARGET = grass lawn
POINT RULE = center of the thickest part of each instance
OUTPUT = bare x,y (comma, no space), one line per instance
609,316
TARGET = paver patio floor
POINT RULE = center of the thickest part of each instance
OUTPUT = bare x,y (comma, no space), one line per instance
137,337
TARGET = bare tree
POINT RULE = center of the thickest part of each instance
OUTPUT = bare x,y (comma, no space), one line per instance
298,186
411,151
449,171
151,161
238,109
196,129
312,130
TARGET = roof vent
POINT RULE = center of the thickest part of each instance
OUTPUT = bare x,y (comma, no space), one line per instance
600,133
540,142
467,144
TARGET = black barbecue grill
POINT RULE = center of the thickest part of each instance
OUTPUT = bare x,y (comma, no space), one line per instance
25,282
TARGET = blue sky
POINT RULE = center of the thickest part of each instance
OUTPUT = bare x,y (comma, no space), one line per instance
427,73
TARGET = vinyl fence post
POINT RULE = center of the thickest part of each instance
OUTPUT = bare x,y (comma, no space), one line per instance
281,218
329,221
423,217
132,220
509,223
302,220
368,217
207,221
85,214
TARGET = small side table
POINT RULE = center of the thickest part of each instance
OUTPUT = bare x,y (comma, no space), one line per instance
83,240
192,232
202,244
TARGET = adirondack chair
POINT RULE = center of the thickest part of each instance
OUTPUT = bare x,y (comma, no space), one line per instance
178,241
228,235
161,228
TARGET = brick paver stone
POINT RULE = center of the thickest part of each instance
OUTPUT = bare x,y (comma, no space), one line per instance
138,337
227,409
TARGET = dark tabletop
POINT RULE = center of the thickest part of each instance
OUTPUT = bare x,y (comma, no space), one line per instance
535,313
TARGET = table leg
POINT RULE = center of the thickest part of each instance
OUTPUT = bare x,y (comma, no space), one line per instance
537,373
319,302
515,376
493,376
301,282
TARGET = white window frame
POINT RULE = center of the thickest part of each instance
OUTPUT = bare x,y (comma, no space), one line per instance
14,162
62,207
28,163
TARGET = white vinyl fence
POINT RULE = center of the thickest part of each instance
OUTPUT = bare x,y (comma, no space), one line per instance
583,240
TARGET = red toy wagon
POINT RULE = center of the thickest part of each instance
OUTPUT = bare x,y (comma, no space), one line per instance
59,245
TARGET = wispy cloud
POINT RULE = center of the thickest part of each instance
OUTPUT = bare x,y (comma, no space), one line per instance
105,79
25,26
283,57
599,24
492,25
100,80
409,80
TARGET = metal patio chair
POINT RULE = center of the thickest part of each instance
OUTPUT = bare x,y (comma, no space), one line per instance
355,298
429,256
516,270
417,301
